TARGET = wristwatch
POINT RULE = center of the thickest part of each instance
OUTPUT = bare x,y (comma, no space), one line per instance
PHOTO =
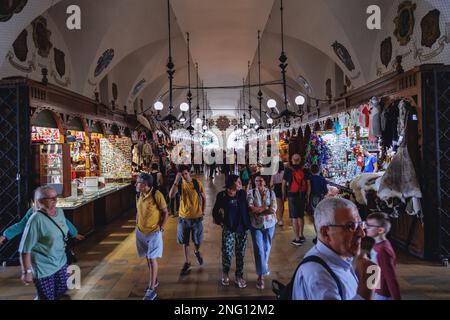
27,271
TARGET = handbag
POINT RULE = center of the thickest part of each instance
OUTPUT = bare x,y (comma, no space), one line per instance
70,254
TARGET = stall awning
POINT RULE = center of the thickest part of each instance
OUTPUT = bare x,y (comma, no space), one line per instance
75,125
44,119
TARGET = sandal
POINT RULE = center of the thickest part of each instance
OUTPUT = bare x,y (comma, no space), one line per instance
241,283
225,281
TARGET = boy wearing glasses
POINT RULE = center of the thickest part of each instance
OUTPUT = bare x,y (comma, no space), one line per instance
378,227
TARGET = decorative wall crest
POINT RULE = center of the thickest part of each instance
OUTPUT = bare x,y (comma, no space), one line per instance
60,62
405,22
431,30
20,46
343,55
386,51
11,7
41,37
104,61
223,123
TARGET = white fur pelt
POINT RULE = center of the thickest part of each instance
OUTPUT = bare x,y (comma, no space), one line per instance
364,183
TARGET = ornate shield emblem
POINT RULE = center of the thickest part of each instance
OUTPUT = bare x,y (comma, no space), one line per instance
41,37
344,55
60,62
404,22
20,46
104,61
11,7
431,30
223,123
386,51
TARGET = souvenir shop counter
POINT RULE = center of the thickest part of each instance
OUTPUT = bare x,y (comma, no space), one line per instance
98,208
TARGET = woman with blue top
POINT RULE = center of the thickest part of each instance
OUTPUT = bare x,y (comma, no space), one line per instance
43,248
262,204
231,212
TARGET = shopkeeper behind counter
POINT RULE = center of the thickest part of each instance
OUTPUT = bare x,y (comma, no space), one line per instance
370,163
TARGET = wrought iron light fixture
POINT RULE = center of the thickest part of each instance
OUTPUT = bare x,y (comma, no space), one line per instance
169,119
286,114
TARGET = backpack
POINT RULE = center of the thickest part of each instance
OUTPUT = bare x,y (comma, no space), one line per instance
284,292
298,182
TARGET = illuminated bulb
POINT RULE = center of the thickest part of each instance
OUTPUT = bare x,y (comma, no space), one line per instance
252,121
158,106
198,121
300,100
271,104
184,107
270,121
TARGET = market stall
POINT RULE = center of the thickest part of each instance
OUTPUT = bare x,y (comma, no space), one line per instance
65,131
394,118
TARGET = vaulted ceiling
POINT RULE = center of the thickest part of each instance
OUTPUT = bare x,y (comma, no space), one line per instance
223,39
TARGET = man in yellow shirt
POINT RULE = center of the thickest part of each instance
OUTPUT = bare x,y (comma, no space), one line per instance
151,216
191,212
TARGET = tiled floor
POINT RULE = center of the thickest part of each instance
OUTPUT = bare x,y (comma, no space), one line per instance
112,270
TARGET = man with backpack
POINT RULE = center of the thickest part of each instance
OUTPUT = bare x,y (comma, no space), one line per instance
298,188
151,216
326,272
191,212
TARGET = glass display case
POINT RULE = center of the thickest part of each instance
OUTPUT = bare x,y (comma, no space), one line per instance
79,153
50,165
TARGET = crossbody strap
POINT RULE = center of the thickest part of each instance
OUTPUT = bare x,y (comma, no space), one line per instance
54,222
320,261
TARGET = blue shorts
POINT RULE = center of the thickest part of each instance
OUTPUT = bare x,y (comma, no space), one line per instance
149,245
188,228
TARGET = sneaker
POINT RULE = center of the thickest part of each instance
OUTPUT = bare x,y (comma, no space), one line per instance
199,258
150,295
302,239
186,269
297,243
241,283
260,284
156,286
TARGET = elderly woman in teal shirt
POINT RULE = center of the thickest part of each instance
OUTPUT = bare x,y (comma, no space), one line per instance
43,248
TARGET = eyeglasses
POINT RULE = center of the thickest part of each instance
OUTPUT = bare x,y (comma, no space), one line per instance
351,226
372,226
51,199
